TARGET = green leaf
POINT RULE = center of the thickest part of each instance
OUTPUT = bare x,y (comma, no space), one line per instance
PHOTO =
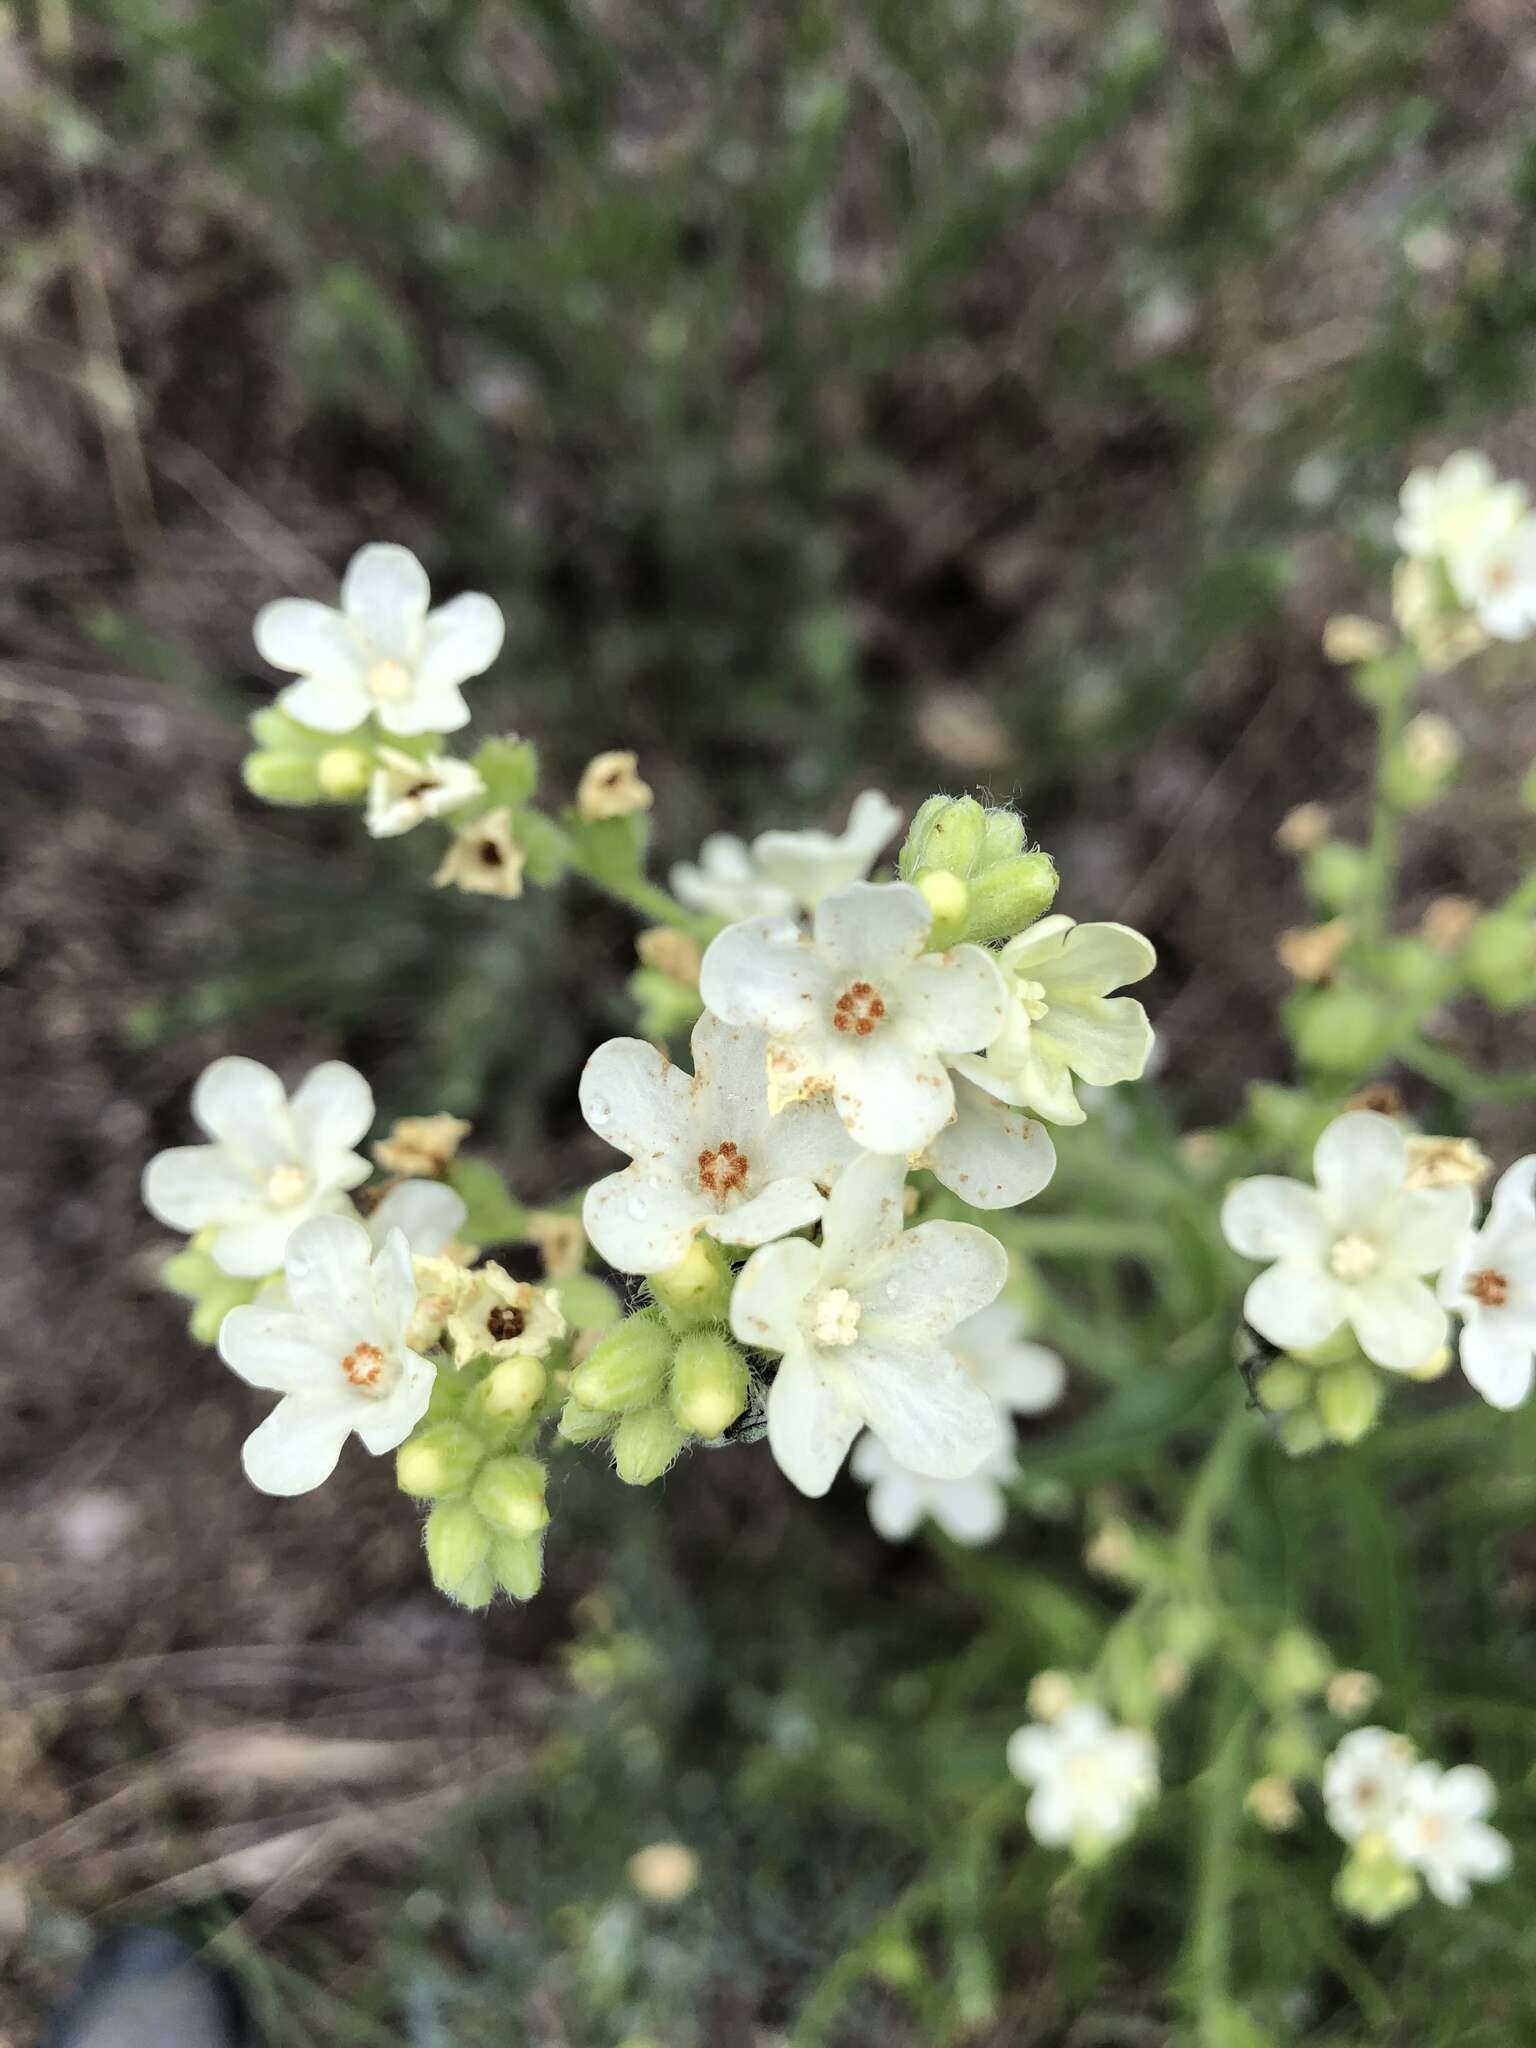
494,1216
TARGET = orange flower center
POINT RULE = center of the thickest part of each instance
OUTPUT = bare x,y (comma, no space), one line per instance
724,1170
364,1366
858,1009
1490,1288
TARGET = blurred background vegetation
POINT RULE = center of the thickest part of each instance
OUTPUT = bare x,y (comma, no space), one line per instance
996,394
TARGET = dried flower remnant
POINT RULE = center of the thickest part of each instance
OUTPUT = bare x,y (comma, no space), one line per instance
611,787
485,859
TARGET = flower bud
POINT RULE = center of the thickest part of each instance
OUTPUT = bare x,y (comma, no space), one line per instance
343,772
1423,761
1373,1885
1291,1751
1352,1694
458,1554
518,1562
645,1444
1299,1666
1283,1387
215,1302
441,1459
628,1368
511,1390
696,1290
1341,1030
1348,1401
509,1493
1272,1802
948,897
579,1425
1500,959
281,778
946,835
1002,838
1302,1433
1335,873
709,1383
1010,896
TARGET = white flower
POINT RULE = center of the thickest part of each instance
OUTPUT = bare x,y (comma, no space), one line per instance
1091,1778
273,1163
1447,512
1352,1250
405,791
427,1214
863,1321
1364,1781
1441,1830
1491,1285
1062,1019
782,872
1022,1379
707,1154
1496,580
858,1006
991,1155
382,653
338,1356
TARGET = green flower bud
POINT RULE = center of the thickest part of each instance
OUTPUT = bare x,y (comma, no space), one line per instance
1002,838
441,1459
1349,1400
709,1383
1302,1433
695,1291
1415,970
1373,1885
458,1553
1010,896
645,1444
518,1562
948,897
1291,1750
509,1493
588,1303
1335,873
343,773
276,733
511,1391
217,1299
1500,959
1341,1030
189,1273
579,1425
628,1368
1299,1666
281,778
946,836
1283,1387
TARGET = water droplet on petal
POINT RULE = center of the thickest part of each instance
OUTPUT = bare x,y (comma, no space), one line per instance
891,1290
598,1113
637,1206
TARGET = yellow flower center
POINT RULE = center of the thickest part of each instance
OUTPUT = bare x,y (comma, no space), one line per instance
389,681
835,1320
1031,995
286,1185
1353,1258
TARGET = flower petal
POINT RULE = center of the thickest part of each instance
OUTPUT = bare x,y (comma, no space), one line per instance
461,640
896,1501
765,972
385,593
636,1100
1033,1753
1104,1041
254,1246
1514,1199
871,925
993,1155
393,1281
971,1511
439,709
953,1002
927,1411
1399,1323
309,639
384,1425
274,1348
241,1103
1427,1227
809,1428
1096,958
931,1279
430,1214
1361,1162
195,1184
864,1216
1296,1305
296,1449
641,1223
782,1207
1498,1363
769,1292
892,1097
331,1113
808,866
327,1266
326,703
1270,1217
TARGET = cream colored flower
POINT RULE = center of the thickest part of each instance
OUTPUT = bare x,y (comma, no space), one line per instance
1351,1694
406,791
1431,744
421,1147
1447,922
1304,828
1348,640
610,788
1312,953
1446,1163
663,1872
561,1241
1272,1802
504,1318
670,952
442,1287
484,859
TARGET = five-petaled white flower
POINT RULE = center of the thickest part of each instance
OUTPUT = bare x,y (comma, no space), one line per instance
274,1163
1353,1250
1364,1781
382,653
1496,580
338,1355
405,791
782,872
1491,1285
707,1153
864,1321
1091,1778
858,1005
1441,1830
1446,513
1022,1379
1062,1019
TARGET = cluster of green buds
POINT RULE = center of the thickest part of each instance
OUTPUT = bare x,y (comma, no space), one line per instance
668,1375
1330,1395
194,1274
971,866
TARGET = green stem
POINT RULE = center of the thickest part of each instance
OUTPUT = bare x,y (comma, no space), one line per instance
1465,1082
1213,1488
650,901
1210,1944
1386,819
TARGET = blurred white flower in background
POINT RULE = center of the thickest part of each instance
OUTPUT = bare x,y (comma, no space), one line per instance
858,1005
1091,1779
1353,1250
783,872
1440,1829
405,791
864,1321
274,1162
1491,1285
338,1356
1364,1780
383,654
1445,512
